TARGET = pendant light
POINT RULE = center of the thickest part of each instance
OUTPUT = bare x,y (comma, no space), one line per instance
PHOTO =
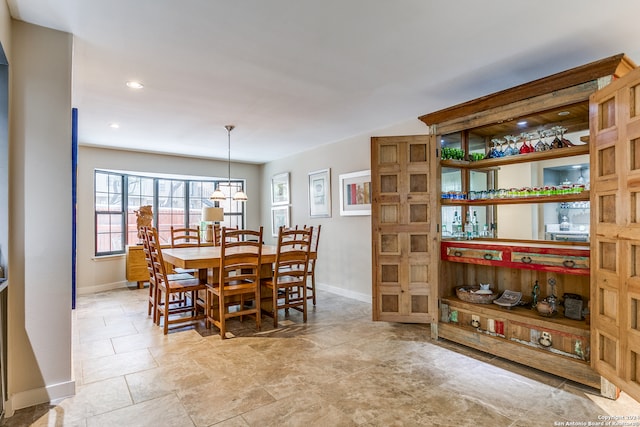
218,195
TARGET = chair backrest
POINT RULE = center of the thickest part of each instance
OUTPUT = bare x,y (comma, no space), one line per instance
240,257
145,248
182,237
292,256
217,231
315,238
158,268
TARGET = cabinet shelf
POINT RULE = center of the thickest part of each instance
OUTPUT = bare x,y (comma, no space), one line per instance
557,153
523,315
577,197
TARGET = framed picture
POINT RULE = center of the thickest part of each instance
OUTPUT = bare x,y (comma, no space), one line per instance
280,189
355,193
279,218
320,193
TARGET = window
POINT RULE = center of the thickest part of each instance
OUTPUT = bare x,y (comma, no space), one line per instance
139,193
116,225
109,213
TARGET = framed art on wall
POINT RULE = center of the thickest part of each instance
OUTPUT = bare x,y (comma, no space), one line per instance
320,193
355,193
279,218
280,189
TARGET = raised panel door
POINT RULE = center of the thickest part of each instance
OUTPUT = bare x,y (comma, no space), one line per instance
405,242
615,219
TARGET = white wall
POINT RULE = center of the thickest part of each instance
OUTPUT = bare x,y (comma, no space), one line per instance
344,254
39,317
99,274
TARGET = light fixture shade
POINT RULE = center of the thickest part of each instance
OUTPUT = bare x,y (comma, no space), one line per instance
212,214
240,196
218,196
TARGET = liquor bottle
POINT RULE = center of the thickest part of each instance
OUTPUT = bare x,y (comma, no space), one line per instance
474,223
468,227
455,224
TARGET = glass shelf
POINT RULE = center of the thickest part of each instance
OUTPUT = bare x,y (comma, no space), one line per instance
578,197
520,158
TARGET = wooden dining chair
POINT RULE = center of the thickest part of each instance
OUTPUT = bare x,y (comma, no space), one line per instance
188,308
313,259
185,237
217,234
288,285
153,295
313,256
238,281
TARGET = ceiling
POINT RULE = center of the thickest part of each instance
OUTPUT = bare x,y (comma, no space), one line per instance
295,74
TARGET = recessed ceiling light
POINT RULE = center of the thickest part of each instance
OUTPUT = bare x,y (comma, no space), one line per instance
134,85
114,126
522,123
564,113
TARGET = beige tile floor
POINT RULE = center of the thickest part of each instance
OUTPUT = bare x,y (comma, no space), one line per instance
339,369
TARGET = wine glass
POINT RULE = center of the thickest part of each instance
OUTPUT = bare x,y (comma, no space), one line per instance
511,147
525,147
564,140
494,152
557,142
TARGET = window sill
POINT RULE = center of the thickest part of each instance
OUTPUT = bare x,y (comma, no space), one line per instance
99,258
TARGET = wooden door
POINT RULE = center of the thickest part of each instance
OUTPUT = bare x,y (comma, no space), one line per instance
404,235
615,232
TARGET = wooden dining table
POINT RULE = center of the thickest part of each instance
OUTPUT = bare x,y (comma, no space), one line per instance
205,258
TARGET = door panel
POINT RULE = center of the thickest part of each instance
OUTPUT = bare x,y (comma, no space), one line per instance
615,246
405,256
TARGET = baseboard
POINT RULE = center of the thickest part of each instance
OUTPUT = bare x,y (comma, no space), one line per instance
88,290
344,292
37,396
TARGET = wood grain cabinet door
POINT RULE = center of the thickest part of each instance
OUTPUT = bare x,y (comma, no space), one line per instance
404,238
615,221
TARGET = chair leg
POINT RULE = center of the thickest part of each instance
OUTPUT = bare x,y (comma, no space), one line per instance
304,303
313,287
275,306
207,308
258,309
151,301
166,311
221,310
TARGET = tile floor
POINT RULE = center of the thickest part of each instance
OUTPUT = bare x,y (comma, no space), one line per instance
339,369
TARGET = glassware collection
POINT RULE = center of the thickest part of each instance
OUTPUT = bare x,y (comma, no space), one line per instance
512,193
510,145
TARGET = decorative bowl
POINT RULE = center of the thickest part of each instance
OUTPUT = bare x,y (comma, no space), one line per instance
544,308
474,295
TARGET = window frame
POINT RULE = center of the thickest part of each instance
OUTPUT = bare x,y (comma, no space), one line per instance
231,218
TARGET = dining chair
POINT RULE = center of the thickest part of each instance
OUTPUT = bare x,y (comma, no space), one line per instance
313,256
185,237
182,237
188,308
238,282
217,233
313,259
153,295
288,285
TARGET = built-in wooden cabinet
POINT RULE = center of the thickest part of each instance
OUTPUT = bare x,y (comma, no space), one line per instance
602,270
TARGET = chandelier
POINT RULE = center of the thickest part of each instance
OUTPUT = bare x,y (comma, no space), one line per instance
218,195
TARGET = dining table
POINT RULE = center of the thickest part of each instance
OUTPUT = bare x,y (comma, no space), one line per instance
206,259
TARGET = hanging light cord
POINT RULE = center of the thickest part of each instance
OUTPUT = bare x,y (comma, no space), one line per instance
229,128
